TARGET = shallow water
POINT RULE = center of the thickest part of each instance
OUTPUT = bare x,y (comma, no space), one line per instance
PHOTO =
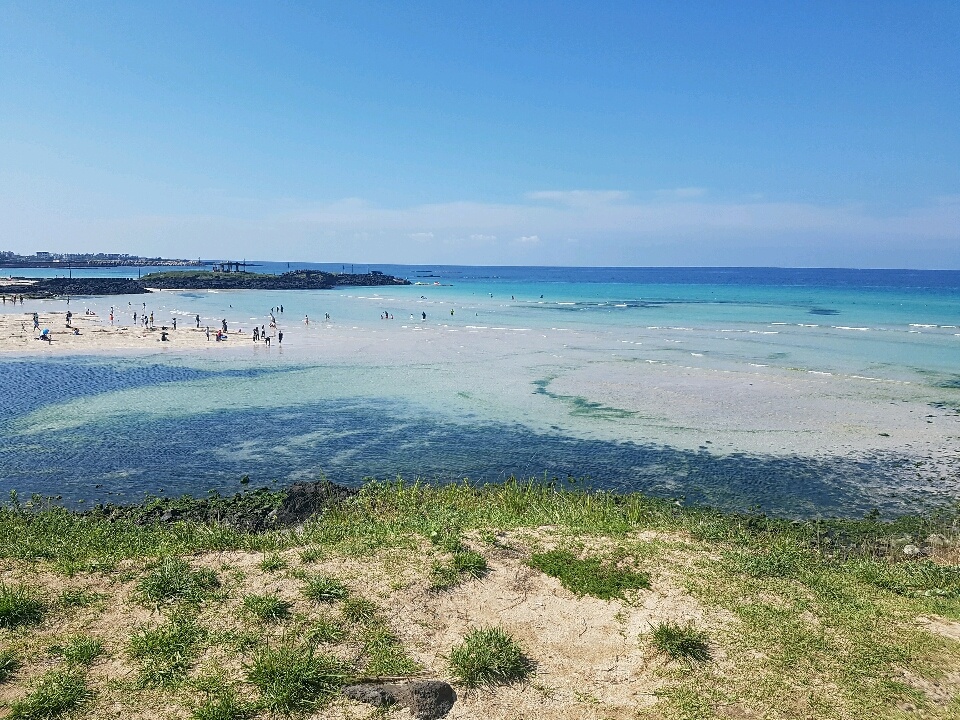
516,384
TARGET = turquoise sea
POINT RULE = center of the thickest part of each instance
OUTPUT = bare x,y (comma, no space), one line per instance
799,391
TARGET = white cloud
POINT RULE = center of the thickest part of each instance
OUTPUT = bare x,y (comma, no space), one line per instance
578,198
611,229
683,193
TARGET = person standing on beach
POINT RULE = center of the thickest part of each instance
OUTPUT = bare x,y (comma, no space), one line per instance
256,333
198,322
280,337
36,321
174,322
306,320
224,324
423,315
208,333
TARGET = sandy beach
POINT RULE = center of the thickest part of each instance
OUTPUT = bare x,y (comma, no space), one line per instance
96,334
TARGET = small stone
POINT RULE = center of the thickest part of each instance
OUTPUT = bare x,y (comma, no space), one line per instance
169,516
911,550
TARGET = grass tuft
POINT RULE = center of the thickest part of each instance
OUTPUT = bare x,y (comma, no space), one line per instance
681,642
464,563
267,607
293,678
488,657
79,650
18,607
324,589
55,694
9,664
310,555
326,631
79,597
172,579
385,654
589,576
273,562
166,652
223,706
360,610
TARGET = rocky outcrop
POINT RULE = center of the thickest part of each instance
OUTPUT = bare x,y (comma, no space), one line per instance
52,287
256,511
194,280
293,280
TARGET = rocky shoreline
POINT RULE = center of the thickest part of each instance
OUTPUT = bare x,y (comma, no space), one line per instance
293,280
42,288
256,511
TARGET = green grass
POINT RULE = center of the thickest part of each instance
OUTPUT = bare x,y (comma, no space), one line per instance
822,612
324,589
295,678
589,576
173,579
273,562
311,555
360,610
488,657
918,578
680,642
18,606
9,664
166,652
326,630
79,597
463,563
386,656
79,649
267,607
55,694
220,701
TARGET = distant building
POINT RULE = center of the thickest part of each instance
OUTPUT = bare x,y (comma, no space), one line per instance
43,255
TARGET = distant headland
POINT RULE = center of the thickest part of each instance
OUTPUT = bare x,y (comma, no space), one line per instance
193,280
88,260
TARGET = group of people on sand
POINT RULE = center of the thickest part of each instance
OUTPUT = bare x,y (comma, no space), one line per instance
13,299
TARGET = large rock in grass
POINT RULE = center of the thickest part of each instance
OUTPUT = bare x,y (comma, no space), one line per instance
305,500
427,699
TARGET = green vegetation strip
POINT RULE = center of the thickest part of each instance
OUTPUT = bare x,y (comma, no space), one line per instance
818,618
589,576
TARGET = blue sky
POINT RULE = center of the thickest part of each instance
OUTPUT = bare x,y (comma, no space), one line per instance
694,133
